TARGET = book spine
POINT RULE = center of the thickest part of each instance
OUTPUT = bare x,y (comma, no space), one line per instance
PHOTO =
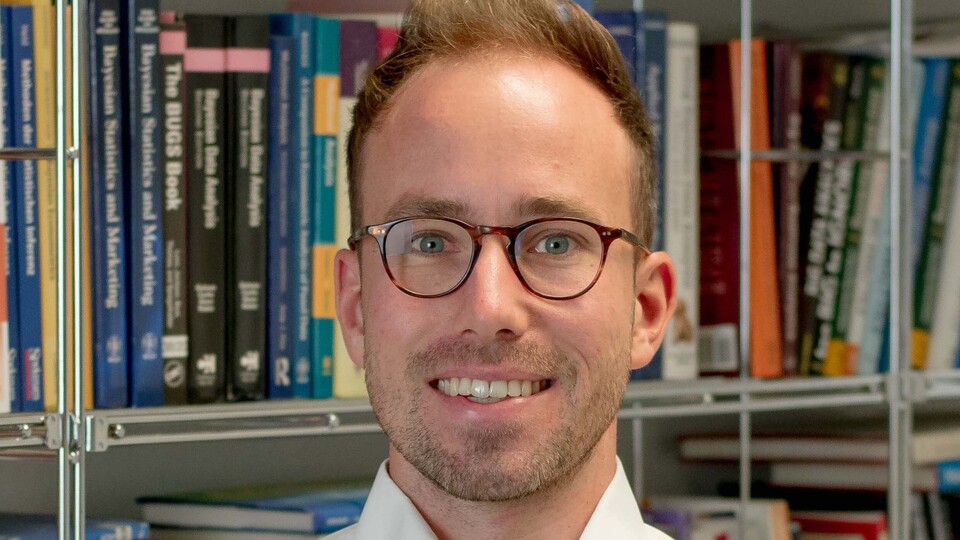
326,109
141,78
813,311
9,370
944,341
681,193
204,63
653,92
175,347
23,123
874,178
248,71
719,219
279,297
765,329
358,55
927,145
843,236
622,25
300,28
927,277
108,233
948,476
785,114
44,16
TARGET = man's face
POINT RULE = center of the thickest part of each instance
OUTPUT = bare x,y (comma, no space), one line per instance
496,141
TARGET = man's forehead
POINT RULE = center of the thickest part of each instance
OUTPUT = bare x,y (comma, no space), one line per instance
524,207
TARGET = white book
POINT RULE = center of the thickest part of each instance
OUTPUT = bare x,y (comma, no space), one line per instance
682,198
945,325
766,519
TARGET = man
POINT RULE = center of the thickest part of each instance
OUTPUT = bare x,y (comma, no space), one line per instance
494,292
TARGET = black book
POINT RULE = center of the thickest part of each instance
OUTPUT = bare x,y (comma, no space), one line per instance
204,64
247,81
175,345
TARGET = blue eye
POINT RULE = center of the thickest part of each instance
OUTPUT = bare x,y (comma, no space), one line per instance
554,245
430,244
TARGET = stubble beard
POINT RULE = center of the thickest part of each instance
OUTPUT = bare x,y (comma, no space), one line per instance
510,460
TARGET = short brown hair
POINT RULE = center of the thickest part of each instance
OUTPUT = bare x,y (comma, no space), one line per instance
558,29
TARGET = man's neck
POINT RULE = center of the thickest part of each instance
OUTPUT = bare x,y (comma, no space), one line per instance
560,512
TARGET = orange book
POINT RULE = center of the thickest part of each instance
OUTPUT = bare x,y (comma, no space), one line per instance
766,348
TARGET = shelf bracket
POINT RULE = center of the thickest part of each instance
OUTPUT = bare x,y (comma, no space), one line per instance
51,426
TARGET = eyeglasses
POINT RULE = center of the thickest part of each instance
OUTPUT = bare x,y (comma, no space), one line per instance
554,258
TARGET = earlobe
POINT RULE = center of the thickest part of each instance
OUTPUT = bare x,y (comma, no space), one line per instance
656,297
349,313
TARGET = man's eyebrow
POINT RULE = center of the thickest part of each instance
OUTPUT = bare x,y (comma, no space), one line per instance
555,207
413,205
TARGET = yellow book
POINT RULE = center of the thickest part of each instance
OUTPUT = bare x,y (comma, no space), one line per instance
835,364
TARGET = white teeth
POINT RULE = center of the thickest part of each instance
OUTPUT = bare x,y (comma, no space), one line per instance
482,391
498,389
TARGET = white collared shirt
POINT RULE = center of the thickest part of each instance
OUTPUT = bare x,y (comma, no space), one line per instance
389,515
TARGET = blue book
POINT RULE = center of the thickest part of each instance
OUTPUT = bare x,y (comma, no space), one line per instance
10,246
304,509
927,144
44,527
878,301
25,222
144,196
652,85
948,476
587,5
108,234
279,239
299,26
323,219
622,25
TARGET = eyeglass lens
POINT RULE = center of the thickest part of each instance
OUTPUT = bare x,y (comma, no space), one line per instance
431,256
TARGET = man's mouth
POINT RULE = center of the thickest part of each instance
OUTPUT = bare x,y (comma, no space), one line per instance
481,391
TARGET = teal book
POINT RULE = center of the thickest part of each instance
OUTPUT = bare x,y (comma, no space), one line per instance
326,99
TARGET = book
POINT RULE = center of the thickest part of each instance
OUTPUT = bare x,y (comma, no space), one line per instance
247,78
23,176
865,524
718,348
280,240
175,345
387,38
142,188
358,55
766,518
942,477
929,445
766,347
622,26
108,233
204,63
675,523
9,383
944,337
651,82
819,284
44,527
681,187
942,184
305,508
326,112
299,27
784,73
864,103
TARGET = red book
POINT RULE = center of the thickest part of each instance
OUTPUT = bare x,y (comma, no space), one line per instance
866,525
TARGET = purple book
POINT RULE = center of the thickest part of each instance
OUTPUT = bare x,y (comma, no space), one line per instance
677,524
358,54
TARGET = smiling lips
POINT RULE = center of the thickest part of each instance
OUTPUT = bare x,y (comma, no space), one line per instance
481,391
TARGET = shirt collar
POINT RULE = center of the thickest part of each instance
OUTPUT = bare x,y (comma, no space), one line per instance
389,513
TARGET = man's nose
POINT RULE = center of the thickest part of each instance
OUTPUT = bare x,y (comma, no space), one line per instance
495,302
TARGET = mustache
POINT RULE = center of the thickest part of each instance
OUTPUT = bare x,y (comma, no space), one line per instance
535,357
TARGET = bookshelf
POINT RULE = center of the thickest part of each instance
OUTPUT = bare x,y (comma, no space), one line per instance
336,438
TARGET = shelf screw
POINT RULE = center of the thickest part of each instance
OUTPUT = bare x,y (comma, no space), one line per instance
72,153
25,431
333,421
117,431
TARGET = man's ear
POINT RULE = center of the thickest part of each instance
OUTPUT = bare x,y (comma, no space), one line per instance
346,279
656,296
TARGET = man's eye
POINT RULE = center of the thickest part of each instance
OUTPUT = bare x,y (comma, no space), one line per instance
554,244
429,243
